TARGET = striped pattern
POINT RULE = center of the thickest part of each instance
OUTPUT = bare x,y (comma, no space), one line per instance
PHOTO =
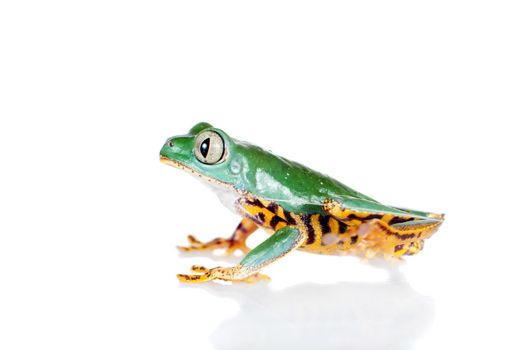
271,216
349,215
344,231
390,234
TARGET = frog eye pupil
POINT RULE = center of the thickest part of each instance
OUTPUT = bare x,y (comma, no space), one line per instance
205,147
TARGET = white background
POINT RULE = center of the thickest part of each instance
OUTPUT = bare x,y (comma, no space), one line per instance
417,104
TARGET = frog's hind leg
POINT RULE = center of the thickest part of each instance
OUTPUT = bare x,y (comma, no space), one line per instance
391,235
273,248
353,217
236,241
395,240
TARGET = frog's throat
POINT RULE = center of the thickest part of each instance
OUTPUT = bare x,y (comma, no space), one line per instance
194,172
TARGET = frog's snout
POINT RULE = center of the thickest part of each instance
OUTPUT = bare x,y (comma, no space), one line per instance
177,148
165,151
168,154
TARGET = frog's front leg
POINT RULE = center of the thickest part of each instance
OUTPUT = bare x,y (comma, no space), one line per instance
275,247
237,240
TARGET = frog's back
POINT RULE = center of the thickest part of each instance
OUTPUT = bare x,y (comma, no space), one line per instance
300,189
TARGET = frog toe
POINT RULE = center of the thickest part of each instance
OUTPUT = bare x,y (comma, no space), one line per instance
198,278
199,268
231,245
193,241
195,244
201,274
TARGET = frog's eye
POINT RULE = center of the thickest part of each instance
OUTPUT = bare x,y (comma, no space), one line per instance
209,147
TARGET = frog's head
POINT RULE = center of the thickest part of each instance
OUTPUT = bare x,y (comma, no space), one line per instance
205,152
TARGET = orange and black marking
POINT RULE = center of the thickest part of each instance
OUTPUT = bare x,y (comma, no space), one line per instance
348,215
392,235
236,241
318,227
337,231
343,230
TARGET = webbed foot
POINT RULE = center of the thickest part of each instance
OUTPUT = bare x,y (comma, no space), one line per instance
237,241
203,274
281,243
231,244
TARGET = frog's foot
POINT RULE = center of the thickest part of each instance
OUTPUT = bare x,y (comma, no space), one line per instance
281,243
373,244
234,274
231,244
377,239
236,241
203,275
411,248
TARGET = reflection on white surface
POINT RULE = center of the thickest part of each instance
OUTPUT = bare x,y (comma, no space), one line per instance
345,315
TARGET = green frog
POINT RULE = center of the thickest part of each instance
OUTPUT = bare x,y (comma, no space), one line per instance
299,207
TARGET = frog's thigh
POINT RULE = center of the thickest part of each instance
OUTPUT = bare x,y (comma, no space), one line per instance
397,239
350,216
275,247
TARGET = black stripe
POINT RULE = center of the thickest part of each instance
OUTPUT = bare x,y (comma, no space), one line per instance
342,227
352,216
289,218
261,216
372,216
353,239
309,228
273,207
241,228
398,247
399,220
274,221
256,202
323,220
398,235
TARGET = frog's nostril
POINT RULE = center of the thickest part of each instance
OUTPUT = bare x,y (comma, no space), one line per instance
170,143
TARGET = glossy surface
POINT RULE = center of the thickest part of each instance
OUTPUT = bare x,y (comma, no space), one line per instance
280,243
250,168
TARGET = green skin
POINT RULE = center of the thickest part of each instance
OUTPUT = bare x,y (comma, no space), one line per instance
298,189
293,186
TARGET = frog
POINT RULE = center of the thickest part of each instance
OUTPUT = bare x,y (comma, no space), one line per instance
300,208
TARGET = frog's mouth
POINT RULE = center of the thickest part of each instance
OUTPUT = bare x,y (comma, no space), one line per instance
173,163
179,165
